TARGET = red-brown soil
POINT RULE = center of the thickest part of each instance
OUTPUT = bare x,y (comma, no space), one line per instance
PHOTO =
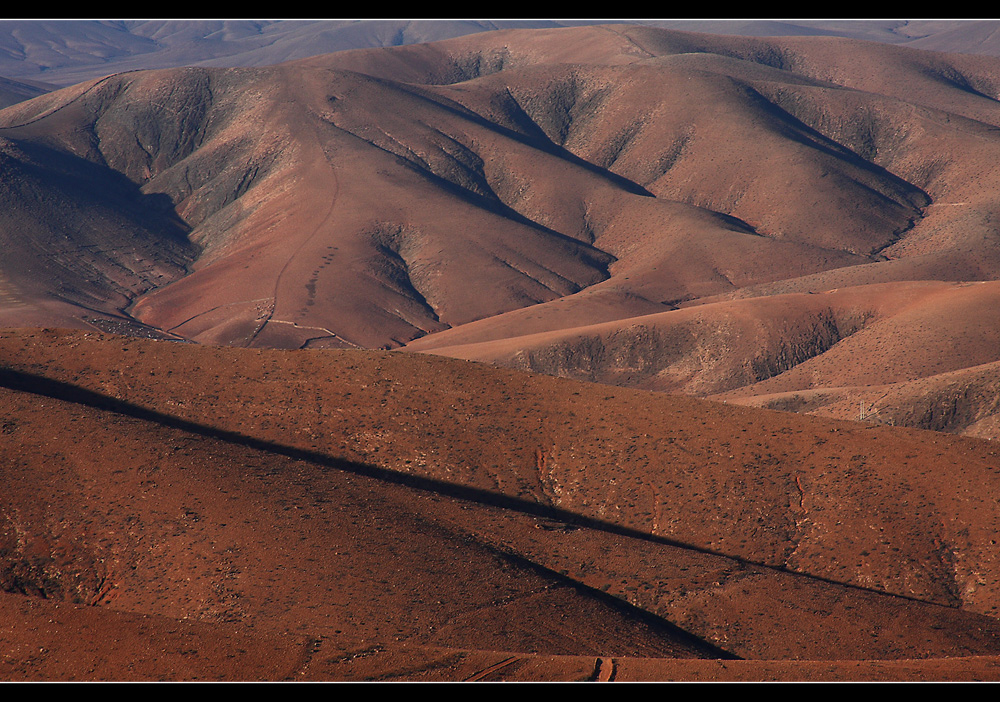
754,224
389,194
401,516
907,353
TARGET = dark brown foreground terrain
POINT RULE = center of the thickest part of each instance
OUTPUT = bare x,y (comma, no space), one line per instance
173,511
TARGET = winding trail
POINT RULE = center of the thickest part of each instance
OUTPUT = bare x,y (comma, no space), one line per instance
318,146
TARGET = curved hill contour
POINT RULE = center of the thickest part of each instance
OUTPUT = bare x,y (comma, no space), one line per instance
394,193
246,420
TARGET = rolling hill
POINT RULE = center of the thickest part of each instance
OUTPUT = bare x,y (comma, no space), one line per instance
459,359
503,185
223,501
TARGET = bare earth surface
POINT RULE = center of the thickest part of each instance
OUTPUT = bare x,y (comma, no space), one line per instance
605,352
764,221
264,514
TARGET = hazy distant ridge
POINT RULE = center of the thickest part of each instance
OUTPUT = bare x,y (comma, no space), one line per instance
64,52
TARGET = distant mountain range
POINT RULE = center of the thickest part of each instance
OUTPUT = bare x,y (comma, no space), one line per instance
64,52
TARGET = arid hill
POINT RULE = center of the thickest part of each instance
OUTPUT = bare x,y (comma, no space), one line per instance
356,158
567,200
345,514
278,347
918,354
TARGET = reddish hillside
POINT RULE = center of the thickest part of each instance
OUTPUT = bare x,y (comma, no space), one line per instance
523,188
762,222
588,487
392,193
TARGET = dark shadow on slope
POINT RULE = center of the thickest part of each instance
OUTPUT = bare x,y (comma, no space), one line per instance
92,182
47,387
17,578
797,130
538,142
685,638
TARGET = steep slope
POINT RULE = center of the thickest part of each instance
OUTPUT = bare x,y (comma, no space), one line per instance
259,234
524,183
366,209
903,151
80,241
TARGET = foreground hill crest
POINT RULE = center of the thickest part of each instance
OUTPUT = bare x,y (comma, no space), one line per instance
293,494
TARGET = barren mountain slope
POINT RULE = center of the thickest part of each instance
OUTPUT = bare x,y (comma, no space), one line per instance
865,335
951,239
336,202
271,214
963,401
911,354
888,508
522,182
298,493
202,529
79,241
925,135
